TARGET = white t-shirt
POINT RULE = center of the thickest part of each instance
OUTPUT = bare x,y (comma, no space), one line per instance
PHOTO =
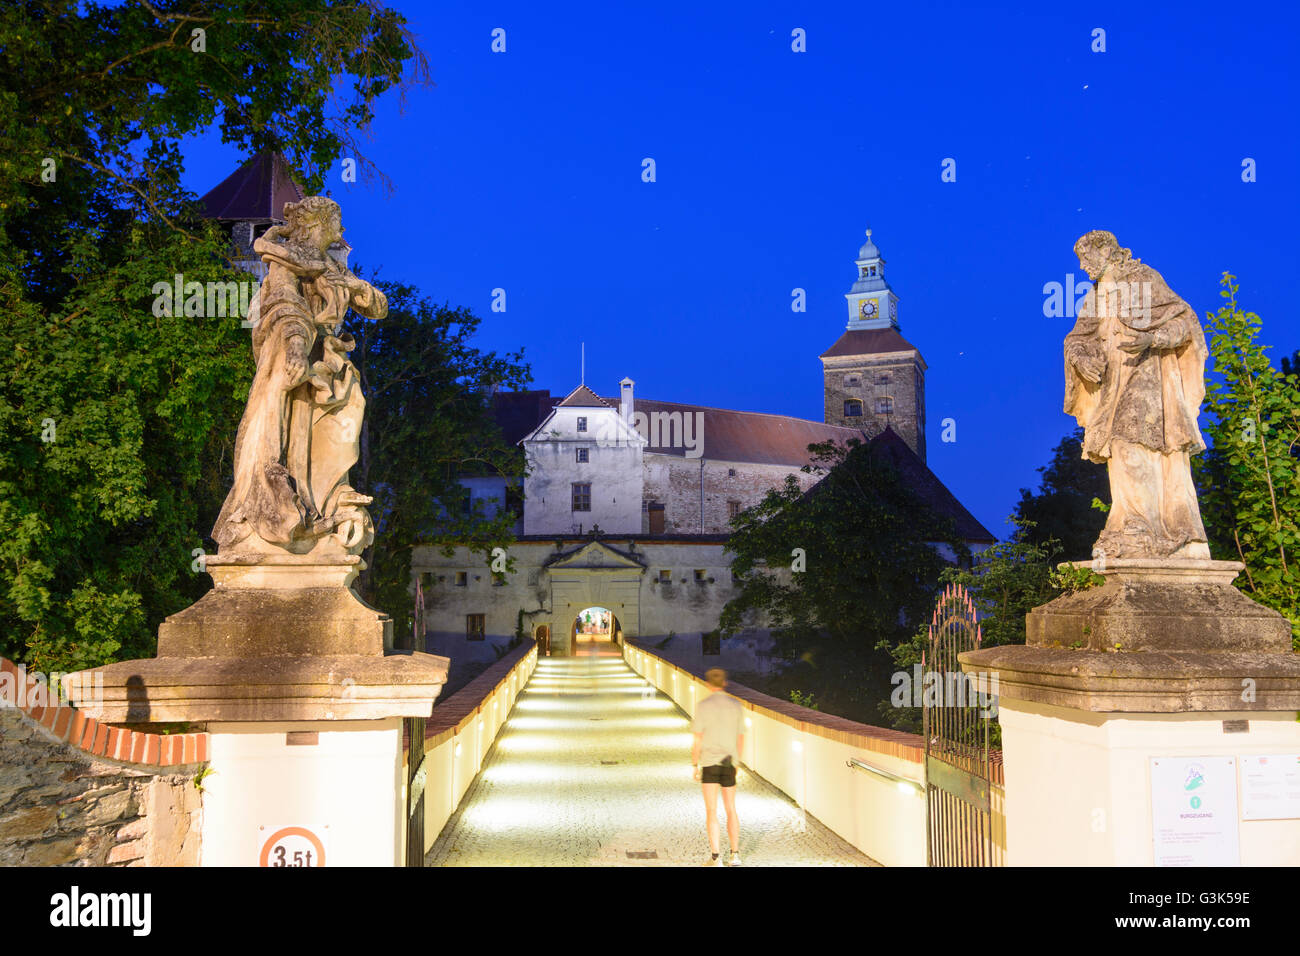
718,718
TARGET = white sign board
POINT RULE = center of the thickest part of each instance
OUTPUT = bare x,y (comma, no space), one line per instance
1194,811
291,846
1270,787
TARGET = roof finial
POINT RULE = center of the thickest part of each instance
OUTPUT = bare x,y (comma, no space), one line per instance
868,233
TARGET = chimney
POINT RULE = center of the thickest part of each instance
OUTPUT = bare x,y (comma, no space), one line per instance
625,405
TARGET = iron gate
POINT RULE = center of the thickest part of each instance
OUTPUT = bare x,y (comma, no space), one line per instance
959,766
415,778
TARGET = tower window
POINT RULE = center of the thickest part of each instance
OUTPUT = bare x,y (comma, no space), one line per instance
582,454
873,270
462,579
582,424
884,406
852,408
475,626
582,496
883,379
665,576
852,381
731,473
733,509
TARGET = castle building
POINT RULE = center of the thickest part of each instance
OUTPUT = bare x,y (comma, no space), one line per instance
628,501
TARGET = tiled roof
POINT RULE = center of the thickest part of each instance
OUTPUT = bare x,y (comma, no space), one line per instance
869,342
918,477
754,437
583,397
255,192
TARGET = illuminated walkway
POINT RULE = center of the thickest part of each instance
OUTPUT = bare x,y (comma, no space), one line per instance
595,765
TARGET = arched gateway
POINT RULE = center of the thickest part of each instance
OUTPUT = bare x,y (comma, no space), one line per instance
595,576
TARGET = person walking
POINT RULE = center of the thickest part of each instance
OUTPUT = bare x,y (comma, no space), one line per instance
719,742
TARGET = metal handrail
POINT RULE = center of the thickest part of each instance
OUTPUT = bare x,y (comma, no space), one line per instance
857,764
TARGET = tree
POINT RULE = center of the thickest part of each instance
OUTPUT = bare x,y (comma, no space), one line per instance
1249,477
1006,582
1061,509
117,426
837,572
116,419
95,100
427,423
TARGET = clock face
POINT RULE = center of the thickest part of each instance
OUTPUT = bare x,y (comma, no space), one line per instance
867,308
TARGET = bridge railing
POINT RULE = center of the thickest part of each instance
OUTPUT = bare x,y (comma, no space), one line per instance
865,783
462,730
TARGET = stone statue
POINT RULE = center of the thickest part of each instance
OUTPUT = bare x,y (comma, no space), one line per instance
300,430
1134,379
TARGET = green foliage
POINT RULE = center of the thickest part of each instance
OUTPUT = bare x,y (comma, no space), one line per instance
141,409
1006,582
1249,477
804,700
108,91
1062,508
428,423
871,572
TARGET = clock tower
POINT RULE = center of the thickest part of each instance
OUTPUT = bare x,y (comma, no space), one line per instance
873,377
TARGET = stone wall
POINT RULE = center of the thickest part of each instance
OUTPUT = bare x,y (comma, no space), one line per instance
686,485
899,376
65,801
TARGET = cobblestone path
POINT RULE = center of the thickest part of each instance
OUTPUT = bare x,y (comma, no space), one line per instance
593,769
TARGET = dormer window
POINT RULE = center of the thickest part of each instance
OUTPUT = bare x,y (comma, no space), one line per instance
582,424
852,408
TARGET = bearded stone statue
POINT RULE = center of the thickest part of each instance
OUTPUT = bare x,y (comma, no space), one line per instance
1134,379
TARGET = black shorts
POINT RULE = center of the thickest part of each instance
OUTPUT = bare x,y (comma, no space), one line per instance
724,774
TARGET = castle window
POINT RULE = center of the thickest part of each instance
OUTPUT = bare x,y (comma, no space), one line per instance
852,408
733,509
582,424
852,381
462,579
883,379
731,473
582,454
665,576
475,626
711,642
582,496
884,406
699,575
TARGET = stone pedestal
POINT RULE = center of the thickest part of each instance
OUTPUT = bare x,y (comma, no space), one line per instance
1165,660
302,694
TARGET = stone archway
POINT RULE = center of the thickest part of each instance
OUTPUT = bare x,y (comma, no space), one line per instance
594,575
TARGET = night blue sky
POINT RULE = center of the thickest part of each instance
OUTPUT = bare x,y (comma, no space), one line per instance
522,170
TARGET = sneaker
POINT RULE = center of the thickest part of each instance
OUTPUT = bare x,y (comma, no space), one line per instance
714,861
735,858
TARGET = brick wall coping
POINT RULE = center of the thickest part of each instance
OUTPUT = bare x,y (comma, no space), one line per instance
454,714
96,738
895,743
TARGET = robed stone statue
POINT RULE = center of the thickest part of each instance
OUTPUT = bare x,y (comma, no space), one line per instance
1134,379
300,430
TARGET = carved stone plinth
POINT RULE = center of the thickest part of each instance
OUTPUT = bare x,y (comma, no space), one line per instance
1162,635
281,638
